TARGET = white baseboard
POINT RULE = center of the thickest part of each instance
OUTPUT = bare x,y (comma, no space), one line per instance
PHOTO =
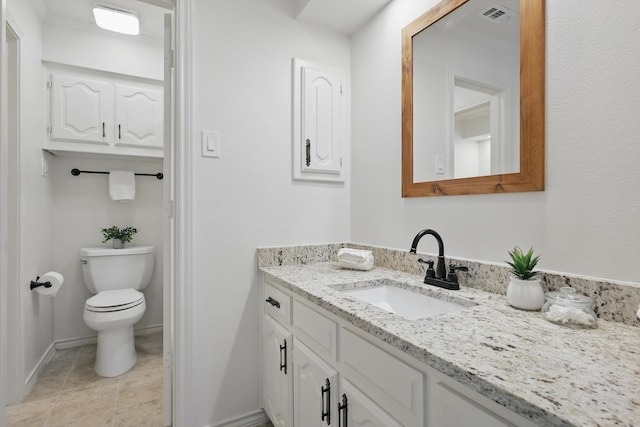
252,419
76,342
37,370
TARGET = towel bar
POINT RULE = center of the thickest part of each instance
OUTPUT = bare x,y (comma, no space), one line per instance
76,172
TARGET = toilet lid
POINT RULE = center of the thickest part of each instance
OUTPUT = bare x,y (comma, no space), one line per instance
117,300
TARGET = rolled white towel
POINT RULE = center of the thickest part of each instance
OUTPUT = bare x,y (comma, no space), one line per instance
355,259
638,313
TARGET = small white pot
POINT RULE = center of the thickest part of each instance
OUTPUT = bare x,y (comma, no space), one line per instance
525,294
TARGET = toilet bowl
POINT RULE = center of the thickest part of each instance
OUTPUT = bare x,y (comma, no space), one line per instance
112,314
115,276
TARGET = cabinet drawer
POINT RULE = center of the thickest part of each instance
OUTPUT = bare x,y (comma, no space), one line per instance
317,331
277,304
395,386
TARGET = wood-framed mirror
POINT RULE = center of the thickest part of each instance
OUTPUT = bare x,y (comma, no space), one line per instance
511,161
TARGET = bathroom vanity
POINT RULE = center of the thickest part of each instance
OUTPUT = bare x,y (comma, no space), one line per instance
332,359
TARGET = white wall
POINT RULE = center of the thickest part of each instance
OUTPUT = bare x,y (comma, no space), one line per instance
80,208
71,46
586,222
35,329
242,87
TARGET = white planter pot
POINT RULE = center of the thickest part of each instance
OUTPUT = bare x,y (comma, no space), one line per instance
118,244
525,294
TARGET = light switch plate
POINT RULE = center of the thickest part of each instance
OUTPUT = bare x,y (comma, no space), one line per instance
211,143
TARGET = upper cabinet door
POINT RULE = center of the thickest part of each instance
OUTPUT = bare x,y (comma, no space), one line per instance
139,117
319,122
81,109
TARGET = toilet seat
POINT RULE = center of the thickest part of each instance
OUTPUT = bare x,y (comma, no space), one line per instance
116,300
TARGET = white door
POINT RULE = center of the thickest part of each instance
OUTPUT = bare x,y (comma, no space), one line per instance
139,117
277,372
81,110
360,411
315,387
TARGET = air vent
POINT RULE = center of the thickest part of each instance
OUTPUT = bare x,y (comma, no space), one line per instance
497,13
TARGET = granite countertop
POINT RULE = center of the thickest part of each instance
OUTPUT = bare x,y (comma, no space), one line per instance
550,374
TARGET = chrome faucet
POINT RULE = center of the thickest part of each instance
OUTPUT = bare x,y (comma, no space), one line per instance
437,277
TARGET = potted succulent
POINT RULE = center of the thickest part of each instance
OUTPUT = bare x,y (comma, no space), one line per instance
120,236
524,290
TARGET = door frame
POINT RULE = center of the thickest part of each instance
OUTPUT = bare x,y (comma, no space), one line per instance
183,204
3,216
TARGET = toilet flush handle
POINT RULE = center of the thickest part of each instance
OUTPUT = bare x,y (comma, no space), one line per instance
84,261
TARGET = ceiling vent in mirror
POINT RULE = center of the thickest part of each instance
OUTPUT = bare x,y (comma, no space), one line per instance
117,20
497,13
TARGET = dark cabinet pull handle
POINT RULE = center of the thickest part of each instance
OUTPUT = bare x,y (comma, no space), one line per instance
119,135
308,151
326,402
273,302
103,134
283,360
342,412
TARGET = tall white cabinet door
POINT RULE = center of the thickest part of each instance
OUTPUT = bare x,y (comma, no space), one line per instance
139,117
278,384
360,411
315,386
81,109
321,120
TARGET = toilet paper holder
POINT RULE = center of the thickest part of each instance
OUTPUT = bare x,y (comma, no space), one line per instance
36,284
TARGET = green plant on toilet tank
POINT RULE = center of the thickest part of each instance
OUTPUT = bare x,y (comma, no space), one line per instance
120,236
524,290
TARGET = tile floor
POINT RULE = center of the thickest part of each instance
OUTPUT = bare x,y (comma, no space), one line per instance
69,393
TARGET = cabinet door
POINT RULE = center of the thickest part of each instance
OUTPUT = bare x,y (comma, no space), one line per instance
81,110
314,389
452,408
139,117
358,410
277,372
321,120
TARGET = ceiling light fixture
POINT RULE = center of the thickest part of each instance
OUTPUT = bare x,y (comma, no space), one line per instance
116,20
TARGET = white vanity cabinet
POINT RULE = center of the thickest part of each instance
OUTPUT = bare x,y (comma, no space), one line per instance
315,385
358,409
277,343
105,115
339,369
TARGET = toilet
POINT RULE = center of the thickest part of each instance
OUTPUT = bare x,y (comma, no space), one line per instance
115,277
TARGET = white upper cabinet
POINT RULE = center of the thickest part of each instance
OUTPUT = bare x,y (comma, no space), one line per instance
320,131
107,115
138,117
81,109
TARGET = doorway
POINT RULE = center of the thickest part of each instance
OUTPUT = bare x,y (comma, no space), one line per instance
13,378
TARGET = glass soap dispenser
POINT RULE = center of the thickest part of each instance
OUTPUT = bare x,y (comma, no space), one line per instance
569,308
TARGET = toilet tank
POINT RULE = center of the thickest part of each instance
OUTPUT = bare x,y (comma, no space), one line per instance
107,269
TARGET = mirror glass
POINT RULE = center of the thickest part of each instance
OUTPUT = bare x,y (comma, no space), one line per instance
463,98
466,75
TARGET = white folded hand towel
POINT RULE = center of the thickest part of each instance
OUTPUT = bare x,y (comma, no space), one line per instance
355,259
122,185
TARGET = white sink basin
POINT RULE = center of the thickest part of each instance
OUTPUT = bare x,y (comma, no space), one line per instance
403,302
